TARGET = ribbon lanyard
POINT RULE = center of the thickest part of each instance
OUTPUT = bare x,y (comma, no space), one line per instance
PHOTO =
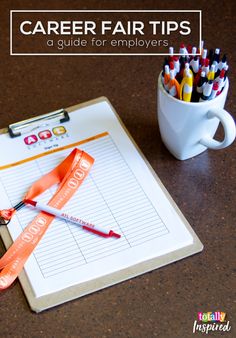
69,174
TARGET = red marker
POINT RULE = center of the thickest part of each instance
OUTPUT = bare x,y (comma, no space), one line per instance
205,66
73,219
176,64
172,67
204,54
197,77
214,90
171,54
201,83
189,49
183,50
221,81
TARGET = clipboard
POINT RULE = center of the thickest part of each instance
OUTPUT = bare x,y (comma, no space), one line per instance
73,292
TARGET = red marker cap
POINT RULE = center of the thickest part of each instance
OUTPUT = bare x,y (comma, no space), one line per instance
222,73
189,49
172,65
215,86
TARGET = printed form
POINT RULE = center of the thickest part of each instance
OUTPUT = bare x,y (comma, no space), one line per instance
120,194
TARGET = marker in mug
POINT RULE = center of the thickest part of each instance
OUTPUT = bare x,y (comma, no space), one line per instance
197,77
186,86
206,91
85,225
187,70
226,68
215,63
222,63
194,51
201,84
183,50
202,47
167,77
217,55
211,55
214,90
173,85
182,60
204,55
211,73
171,51
176,64
221,76
189,49
205,67
221,81
171,54
172,67
200,50
194,64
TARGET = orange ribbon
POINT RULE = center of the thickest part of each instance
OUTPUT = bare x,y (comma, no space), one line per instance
70,174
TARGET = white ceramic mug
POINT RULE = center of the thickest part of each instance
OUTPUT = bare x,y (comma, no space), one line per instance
187,128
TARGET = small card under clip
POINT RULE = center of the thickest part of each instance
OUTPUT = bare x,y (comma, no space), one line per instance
16,129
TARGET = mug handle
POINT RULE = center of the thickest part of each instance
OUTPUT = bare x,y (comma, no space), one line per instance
229,129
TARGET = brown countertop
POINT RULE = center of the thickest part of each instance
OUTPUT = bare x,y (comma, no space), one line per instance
163,303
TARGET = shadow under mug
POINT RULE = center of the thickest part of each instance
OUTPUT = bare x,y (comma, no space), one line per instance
187,128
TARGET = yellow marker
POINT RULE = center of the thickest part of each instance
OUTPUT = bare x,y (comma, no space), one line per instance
211,73
186,87
187,69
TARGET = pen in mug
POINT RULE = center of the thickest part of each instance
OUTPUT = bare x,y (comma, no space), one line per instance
214,91
73,219
186,86
206,91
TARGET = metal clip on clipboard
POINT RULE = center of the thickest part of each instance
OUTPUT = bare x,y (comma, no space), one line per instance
19,128
16,129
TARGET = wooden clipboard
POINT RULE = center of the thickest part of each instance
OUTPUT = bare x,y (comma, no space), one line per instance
45,302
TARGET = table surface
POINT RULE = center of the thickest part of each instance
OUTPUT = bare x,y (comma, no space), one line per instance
164,302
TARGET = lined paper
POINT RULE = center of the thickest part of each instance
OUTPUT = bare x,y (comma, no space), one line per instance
111,197
120,193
